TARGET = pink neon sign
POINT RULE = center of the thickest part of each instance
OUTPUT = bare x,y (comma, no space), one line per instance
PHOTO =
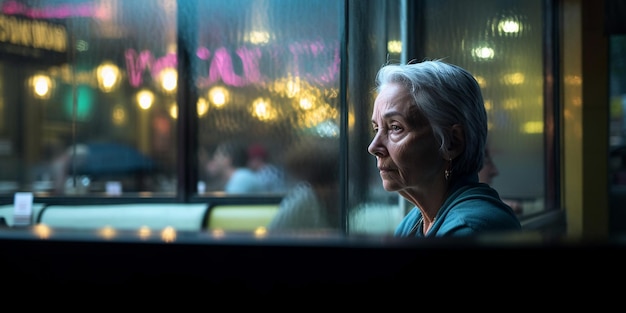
218,65
60,11
296,59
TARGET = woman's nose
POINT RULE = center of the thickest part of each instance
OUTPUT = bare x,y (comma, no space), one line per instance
375,148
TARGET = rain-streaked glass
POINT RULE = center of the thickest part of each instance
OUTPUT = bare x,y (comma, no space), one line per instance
101,107
98,121
501,43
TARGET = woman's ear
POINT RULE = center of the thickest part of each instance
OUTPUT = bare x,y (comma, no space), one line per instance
457,141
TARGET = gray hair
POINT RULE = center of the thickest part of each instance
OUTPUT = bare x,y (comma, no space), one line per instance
445,94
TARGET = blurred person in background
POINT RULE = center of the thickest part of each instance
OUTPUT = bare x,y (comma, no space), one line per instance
430,131
229,165
486,175
272,177
312,203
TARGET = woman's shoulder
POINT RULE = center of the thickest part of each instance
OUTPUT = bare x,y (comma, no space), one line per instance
479,206
408,222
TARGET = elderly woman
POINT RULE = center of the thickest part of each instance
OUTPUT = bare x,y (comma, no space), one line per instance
430,130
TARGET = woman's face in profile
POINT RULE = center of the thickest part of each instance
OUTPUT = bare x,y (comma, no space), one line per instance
405,147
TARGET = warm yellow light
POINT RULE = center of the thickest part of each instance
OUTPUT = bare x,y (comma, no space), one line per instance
218,233
394,46
42,85
107,232
535,127
262,109
351,120
145,98
169,79
218,96
482,82
488,105
258,37
144,232
513,79
293,87
511,103
260,232
202,106
174,110
509,26
317,115
108,76
168,234
483,52
573,80
42,231
306,104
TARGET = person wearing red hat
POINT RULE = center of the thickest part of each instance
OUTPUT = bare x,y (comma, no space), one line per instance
270,175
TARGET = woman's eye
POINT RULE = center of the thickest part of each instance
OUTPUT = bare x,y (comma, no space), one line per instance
395,127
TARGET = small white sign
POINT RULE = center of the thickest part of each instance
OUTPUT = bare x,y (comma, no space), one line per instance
113,188
23,208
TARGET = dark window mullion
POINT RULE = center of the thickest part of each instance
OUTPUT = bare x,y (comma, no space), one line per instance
186,98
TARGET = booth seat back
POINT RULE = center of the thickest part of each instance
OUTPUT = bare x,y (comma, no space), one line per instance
240,217
183,217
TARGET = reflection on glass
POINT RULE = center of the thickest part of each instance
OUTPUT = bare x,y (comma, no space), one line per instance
617,132
87,94
270,75
108,75
502,47
41,85
266,72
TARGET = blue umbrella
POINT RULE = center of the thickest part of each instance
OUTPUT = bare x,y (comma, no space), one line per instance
110,159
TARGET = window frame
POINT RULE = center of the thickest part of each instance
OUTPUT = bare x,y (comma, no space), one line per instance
187,125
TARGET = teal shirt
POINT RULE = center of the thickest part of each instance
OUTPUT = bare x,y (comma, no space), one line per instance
472,208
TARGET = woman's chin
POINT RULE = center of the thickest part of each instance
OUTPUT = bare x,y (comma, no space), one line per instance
390,186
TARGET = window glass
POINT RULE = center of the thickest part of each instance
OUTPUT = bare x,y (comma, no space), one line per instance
370,209
501,44
91,105
87,100
267,77
267,80
617,132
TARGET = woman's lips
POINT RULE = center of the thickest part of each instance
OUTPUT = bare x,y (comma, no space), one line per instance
384,170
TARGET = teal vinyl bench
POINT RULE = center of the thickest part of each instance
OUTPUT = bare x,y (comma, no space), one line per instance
182,217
